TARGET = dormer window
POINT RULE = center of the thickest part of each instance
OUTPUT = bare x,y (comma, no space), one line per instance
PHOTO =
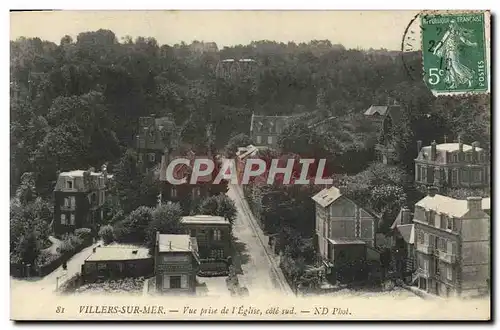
69,184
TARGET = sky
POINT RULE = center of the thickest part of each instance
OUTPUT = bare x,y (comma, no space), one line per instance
353,29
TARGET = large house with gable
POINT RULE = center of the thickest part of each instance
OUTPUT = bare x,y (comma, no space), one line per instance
344,230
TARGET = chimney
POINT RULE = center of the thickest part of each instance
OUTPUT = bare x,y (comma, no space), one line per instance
170,245
445,138
460,144
433,150
405,216
431,191
474,203
419,146
93,250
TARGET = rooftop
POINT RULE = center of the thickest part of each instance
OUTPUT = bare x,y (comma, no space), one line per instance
175,243
244,152
118,253
327,196
346,241
451,147
78,173
445,205
407,232
376,109
204,219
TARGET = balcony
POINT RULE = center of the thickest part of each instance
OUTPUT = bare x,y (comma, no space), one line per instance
425,249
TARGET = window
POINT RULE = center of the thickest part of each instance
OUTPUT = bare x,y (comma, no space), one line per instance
476,176
63,219
259,139
175,282
69,184
424,174
442,221
103,196
431,218
468,157
193,233
455,158
442,245
196,192
173,192
72,219
464,175
217,235
454,177
425,265
449,273
101,266
426,239
67,202
217,254
436,266
419,174
269,140
449,223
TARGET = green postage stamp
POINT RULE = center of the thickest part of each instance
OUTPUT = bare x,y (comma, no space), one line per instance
455,52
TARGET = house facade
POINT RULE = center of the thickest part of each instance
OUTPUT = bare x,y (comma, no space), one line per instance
154,138
343,229
176,264
79,197
403,247
265,130
187,193
452,243
452,165
212,233
388,117
114,262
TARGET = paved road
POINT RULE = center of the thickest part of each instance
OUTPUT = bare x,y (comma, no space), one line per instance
261,272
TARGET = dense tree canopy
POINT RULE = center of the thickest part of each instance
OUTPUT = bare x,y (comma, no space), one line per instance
77,104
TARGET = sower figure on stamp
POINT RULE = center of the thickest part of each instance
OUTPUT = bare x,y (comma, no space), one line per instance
455,73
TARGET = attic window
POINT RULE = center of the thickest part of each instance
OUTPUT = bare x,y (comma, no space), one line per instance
134,252
69,184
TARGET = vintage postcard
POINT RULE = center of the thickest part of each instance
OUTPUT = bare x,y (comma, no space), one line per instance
250,165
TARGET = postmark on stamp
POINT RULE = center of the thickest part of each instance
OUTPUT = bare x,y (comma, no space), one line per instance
455,52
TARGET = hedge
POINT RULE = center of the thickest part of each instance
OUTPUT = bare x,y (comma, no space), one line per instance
46,269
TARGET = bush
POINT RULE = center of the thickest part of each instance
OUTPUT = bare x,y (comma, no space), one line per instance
106,233
46,257
84,233
70,243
